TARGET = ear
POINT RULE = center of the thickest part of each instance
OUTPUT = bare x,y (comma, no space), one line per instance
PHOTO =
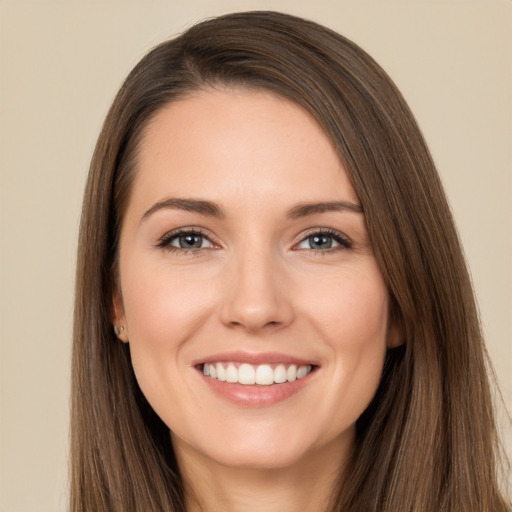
395,336
119,317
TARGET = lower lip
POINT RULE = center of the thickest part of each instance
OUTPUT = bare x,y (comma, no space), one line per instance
255,395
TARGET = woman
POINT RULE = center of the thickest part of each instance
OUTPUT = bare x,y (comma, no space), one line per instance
294,326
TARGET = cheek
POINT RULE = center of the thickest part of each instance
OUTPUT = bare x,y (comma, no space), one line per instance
163,306
351,309
351,318
164,309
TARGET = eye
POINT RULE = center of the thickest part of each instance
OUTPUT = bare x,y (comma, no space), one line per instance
324,240
185,240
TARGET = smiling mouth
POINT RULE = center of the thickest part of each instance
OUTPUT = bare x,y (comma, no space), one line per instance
262,374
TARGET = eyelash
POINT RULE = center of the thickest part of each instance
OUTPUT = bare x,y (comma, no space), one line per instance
168,238
165,242
343,240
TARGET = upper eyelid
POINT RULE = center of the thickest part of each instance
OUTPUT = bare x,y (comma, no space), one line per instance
189,229
324,231
169,235
319,229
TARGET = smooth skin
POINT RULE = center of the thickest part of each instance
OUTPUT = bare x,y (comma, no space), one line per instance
218,254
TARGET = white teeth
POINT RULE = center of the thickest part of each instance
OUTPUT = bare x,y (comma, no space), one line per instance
231,373
221,373
302,371
280,374
248,374
264,375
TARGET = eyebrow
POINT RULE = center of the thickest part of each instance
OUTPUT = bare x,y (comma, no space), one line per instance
303,210
211,209
200,206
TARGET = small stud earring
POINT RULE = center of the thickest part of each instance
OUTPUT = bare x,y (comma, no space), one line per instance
119,329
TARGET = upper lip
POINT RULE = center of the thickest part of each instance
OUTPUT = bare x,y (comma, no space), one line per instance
254,358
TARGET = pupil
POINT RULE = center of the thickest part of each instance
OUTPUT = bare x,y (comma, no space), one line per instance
320,242
190,242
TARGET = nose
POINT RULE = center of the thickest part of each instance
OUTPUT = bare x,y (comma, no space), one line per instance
257,297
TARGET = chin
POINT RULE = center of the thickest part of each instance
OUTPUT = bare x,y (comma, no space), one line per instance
265,447
258,458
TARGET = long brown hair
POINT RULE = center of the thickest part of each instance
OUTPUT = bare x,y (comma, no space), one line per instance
428,440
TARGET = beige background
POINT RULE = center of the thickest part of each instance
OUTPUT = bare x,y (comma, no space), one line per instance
61,63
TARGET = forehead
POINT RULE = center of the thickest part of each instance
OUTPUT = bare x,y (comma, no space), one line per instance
243,142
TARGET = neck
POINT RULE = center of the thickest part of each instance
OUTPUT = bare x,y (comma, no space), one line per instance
306,486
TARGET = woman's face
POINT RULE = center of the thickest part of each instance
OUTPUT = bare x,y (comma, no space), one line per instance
244,254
